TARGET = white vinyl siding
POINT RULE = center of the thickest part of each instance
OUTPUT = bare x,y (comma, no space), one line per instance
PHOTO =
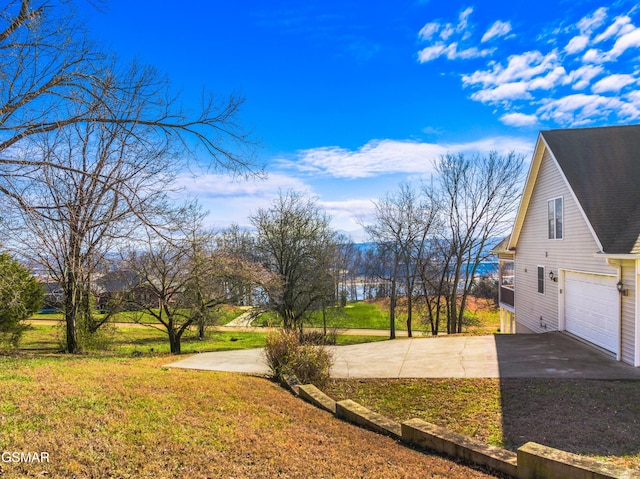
629,312
576,252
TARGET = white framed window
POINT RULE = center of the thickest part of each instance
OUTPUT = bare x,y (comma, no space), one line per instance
555,218
541,279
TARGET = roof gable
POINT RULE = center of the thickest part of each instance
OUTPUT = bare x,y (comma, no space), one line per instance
602,167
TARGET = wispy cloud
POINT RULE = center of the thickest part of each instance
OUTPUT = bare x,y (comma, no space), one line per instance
498,29
382,157
453,41
221,186
596,53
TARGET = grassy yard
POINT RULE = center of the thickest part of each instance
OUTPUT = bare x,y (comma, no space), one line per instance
147,340
356,315
226,314
131,418
597,418
482,319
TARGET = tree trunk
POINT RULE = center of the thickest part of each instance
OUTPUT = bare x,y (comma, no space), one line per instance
409,310
174,341
392,311
71,311
72,337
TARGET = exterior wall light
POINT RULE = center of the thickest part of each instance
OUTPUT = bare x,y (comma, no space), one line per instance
553,277
621,290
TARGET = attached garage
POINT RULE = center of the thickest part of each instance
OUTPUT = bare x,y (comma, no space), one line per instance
591,308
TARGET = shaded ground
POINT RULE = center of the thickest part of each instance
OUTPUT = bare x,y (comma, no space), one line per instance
593,417
586,416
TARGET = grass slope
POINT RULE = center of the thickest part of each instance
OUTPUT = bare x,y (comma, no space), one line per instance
130,418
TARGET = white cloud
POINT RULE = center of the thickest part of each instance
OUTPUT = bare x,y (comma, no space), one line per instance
577,44
619,27
451,52
506,91
229,201
222,186
429,30
518,119
519,67
431,53
582,109
463,18
550,80
447,32
613,83
374,158
524,73
593,55
468,53
598,53
498,29
629,40
381,157
589,23
451,41
581,77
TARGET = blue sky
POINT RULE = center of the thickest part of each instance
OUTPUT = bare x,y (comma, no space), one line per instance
349,98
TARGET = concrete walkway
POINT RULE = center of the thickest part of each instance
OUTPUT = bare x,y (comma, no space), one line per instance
548,355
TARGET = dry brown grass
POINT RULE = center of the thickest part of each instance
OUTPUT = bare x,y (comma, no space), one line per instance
130,418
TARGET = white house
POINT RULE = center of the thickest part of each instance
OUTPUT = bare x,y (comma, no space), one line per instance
572,262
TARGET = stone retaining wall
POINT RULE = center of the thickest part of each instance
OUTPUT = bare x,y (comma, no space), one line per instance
532,461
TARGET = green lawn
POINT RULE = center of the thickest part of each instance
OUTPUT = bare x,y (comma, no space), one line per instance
148,340
375,315
356,315
225,315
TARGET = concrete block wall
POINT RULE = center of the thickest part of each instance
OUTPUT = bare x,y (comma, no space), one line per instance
532,461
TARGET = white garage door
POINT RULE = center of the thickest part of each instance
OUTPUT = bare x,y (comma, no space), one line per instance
591,308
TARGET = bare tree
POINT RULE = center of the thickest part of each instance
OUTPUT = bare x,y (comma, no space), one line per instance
240,243
479,196
295,241
88,148
183,278
403,224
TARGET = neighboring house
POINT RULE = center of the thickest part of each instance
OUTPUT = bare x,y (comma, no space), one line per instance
53,296
122,288
572,262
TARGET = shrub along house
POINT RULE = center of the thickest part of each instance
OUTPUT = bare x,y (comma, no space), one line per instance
572,262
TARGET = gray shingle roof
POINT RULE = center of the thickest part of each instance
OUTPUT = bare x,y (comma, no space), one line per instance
602,165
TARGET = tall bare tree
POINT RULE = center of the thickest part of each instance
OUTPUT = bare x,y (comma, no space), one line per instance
88,147
402,227
479,196
296,242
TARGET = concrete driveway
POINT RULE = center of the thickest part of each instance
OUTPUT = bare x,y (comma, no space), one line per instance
546,355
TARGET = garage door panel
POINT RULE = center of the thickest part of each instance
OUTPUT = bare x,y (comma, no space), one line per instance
591,308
